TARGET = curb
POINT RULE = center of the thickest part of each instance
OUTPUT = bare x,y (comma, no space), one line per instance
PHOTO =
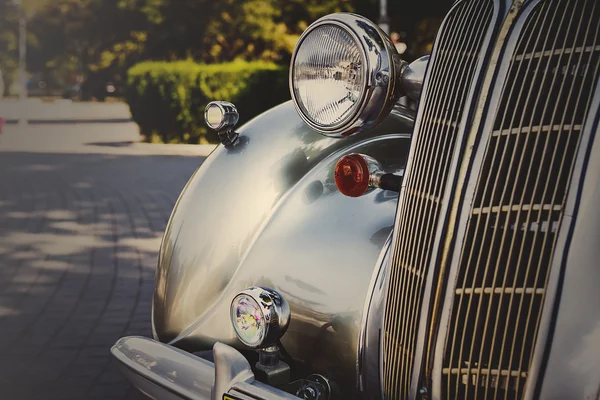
70,121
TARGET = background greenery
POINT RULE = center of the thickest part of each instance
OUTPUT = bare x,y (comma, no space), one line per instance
167,99
97,41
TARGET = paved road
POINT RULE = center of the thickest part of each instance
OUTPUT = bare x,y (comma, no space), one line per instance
82,210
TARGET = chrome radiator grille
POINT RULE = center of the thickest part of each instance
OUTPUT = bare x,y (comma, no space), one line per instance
518,204
450,77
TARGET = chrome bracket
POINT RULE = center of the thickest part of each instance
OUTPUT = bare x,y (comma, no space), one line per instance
230,368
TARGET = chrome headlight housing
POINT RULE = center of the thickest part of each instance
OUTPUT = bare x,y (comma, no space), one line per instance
343,75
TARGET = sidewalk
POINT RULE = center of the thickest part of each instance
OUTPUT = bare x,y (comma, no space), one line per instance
37,111
93,128
83,138
82,212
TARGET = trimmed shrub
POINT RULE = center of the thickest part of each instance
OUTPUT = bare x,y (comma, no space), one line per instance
167,99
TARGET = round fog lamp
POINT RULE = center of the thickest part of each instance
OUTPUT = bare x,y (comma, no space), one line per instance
260,316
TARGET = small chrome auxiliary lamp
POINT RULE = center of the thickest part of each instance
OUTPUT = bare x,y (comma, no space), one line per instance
260,317
222,117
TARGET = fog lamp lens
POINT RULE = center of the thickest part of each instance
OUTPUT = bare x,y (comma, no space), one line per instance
260,316
214,116
248,320
352,175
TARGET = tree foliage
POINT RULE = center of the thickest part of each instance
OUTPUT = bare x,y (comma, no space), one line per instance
103,38
167,99
9,35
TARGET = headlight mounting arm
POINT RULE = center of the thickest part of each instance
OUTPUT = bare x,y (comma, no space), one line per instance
411,77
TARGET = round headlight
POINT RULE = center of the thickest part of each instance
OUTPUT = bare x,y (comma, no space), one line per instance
343,74
329,76
260,316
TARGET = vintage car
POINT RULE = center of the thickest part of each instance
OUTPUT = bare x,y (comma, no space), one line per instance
345,245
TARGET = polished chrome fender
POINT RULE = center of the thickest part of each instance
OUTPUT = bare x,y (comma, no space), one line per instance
267,212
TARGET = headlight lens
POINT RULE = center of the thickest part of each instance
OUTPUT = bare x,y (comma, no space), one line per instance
328,77
248,320
343,75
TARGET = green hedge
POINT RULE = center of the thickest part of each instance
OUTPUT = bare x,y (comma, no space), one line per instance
167,99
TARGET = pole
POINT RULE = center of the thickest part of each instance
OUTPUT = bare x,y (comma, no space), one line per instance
384,22
22,62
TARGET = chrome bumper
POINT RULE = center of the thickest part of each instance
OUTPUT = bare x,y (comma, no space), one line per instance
163,372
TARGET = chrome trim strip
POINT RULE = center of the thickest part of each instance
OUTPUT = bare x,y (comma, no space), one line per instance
362,354
556,286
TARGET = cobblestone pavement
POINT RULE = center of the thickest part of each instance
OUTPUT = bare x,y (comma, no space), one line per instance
79,235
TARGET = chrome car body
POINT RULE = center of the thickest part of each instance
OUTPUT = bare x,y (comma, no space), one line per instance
451,289
275,218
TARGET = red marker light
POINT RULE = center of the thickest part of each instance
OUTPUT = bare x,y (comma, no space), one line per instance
352,175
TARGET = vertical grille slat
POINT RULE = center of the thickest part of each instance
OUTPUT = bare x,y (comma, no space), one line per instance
450,77
519,201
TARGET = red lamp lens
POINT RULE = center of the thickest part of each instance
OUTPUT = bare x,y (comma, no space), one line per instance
352,175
